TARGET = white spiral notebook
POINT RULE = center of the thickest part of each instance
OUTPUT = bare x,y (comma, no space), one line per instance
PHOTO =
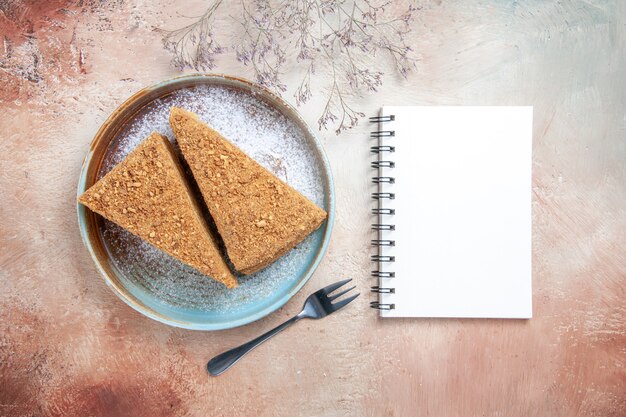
453,214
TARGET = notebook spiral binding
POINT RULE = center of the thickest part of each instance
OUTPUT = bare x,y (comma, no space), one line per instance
382,306
381,196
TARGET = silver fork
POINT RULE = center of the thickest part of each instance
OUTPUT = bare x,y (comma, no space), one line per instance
318,305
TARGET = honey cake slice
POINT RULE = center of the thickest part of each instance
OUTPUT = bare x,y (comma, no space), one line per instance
148,195
258,216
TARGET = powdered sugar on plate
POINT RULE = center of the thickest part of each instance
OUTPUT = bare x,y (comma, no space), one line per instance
272,139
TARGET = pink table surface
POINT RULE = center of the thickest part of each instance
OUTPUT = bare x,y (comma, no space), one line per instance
69,347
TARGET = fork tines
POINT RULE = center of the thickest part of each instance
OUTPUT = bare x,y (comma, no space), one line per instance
332,287
326,291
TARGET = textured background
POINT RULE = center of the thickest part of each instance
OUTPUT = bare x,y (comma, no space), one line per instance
69,347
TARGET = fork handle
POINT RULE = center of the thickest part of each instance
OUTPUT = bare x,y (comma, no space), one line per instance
223,361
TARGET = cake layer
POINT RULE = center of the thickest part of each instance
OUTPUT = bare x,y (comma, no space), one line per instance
148,195
258,216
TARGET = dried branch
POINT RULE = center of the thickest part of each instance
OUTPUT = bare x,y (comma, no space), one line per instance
194,45
341,38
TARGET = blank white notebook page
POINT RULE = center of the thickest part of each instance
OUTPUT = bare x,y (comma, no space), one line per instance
462,201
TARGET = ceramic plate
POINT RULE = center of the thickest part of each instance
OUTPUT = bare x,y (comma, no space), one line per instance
263,126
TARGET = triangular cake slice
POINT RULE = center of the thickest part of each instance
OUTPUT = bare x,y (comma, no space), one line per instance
258,216
148,195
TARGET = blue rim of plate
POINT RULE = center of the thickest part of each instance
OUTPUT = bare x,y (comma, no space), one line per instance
92,238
